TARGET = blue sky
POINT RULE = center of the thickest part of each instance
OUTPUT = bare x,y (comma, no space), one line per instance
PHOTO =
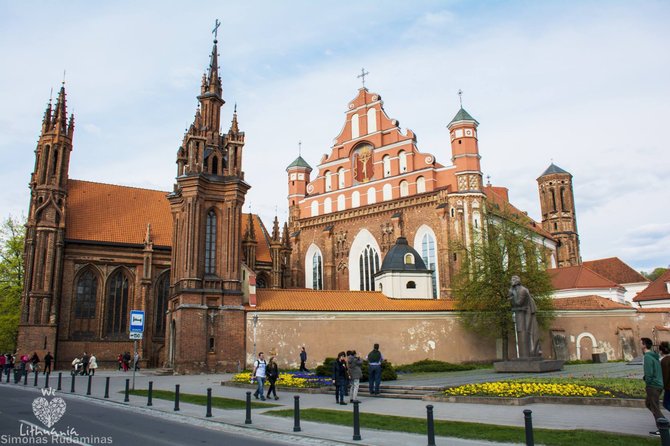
582,83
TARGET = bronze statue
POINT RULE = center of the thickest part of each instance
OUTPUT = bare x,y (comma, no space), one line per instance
525,320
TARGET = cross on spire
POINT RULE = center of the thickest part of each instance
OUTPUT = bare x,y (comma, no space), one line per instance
215,31
299,148
460,97
362,75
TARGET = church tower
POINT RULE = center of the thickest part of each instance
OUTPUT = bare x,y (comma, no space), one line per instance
43,252
206,322
558,213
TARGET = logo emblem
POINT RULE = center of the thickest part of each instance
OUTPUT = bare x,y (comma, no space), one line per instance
49,412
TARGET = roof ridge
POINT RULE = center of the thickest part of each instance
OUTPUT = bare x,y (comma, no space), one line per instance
117,185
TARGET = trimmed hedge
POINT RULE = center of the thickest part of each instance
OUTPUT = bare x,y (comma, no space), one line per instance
431,365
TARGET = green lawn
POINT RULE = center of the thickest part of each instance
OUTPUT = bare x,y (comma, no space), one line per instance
217,401
473,431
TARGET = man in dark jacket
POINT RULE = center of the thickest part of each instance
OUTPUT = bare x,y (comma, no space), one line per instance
303,359
48,358
653,380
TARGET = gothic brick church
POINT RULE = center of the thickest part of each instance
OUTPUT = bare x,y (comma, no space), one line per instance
197,265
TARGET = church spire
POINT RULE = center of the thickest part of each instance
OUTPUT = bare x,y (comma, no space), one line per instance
275,230
60,116
213,79
234,127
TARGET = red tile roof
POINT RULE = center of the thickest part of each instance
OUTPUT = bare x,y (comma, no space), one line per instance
591,302
571,277
616,270
500,197
111,213
657,290
118,214
329,300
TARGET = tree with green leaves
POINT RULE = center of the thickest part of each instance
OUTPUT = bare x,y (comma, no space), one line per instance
12,237
655,274
504,246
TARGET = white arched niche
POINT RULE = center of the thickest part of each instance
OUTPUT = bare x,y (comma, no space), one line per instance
362,240
422,244
310,266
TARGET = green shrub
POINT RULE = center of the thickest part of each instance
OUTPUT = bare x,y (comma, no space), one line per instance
431,365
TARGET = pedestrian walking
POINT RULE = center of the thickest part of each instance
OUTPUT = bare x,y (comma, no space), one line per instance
136,361
92,364
340,374
126,361
303,359
653,379
85,359
375,359
272,373
664,348
258,374
34,362
355,373
48,359
119,359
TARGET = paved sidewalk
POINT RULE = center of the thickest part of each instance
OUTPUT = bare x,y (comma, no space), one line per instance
609,419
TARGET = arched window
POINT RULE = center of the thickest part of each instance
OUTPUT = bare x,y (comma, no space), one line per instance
355,199
45,164
372,120
317,271
420,185
562,195
402,159
553,200
404,188
162,296
355,133
340,178
315,208
409,259
329,181
387,192
368,265
386,162
261,281
340,202
327,205
55,161
215,165
425,244
85,299
476,220
210,243
372,195
314,268
411,285
116,311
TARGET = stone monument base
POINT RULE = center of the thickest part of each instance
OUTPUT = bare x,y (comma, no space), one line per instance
528,365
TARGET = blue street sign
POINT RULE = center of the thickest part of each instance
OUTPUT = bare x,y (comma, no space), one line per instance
136,321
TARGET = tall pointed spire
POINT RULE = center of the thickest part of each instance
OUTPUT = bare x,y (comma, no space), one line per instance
213,79
60,117
234,127
275,230
46,121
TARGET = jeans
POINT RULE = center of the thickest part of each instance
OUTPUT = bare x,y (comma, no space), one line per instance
260,380
375,376
339,391
354,388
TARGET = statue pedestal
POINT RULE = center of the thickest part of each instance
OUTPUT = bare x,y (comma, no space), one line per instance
528,365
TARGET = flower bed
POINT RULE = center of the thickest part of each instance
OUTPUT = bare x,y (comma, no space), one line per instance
512,389
299,380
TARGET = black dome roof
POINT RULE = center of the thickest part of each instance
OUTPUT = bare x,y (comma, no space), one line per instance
395,258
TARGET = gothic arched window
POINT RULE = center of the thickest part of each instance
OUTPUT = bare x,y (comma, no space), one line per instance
315,208
355,133
429,255
341,202
162,297
329,181
116,312
402,158
372,120
404,188
386,163
368,265
387,192
420,185
85,299
215,165
327,205
210,243
317,271
355,199
340,178
372,195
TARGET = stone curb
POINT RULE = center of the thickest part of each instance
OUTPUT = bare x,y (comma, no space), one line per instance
500,401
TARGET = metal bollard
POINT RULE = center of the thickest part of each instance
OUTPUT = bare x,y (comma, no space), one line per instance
25,377
9,372
357,422
176,397
46,380
126,398
247,420
209,403
37,374
60,380
88,387
107,387
431,425
72,384
150,394
529,427
296,414
663,426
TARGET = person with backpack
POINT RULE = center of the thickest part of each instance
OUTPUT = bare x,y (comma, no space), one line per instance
258,374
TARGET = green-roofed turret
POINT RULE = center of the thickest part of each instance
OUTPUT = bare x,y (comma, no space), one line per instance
462,115
299,162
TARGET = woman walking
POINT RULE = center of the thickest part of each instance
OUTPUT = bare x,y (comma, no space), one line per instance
92,364
272,374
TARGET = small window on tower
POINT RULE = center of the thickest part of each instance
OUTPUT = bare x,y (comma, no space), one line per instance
409,259
411,285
